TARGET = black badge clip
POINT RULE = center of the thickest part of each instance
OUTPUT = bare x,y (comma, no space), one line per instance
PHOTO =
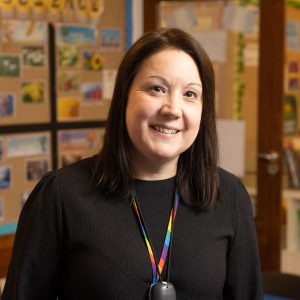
162,291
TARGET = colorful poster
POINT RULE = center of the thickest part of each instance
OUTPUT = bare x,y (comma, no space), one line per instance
34,56
92,60
76,35
68,81
15,31
68,108
9,66
27,144
110,38
7,105
36,168
68,56
92,92
5,177
32,92
77,144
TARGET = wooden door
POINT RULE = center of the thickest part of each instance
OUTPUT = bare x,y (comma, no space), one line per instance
270,120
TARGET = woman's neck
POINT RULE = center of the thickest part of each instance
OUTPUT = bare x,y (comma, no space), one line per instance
154,171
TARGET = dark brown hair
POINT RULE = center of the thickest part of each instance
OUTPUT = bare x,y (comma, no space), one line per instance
197,172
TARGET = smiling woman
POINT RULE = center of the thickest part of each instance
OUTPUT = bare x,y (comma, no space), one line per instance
151,216
163,113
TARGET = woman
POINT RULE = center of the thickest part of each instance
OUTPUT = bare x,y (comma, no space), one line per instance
151,216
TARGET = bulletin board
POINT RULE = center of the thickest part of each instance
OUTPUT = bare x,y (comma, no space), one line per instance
56,83
24,159
24,76
87,58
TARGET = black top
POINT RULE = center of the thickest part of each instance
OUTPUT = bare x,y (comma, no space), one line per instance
78,244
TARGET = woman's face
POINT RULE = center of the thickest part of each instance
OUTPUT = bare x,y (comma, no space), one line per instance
164,108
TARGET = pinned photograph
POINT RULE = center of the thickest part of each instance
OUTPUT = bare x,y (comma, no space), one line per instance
77,144
9,66
23,198
92,60
68,108
5,177
92,92
1,209
76,35
36,168
33,56
6,105
68,82
23,32
68,56
110,38
27,144
32,92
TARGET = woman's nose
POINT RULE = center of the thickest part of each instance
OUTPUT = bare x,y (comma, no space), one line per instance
172,107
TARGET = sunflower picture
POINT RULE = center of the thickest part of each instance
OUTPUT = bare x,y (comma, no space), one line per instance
32,91
92,61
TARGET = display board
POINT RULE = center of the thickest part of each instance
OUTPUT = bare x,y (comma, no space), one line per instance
56,83
24,76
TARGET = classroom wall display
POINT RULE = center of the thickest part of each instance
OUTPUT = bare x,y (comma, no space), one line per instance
24,159
24,76
58,63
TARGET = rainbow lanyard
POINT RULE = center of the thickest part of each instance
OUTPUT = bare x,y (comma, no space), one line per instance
160,266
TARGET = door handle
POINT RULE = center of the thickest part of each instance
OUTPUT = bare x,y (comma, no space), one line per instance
271,158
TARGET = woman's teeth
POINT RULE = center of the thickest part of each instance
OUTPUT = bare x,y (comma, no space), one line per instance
164,130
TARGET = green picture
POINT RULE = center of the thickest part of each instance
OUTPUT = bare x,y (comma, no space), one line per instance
9,66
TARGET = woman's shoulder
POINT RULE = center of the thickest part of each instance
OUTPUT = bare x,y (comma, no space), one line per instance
72,178
231,186
82,169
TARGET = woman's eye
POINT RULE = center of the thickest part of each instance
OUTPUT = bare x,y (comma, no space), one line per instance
191,94
157,89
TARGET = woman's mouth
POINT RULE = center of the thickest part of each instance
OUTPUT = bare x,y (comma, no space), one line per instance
164,129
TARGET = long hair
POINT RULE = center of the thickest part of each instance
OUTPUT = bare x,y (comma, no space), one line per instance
197,172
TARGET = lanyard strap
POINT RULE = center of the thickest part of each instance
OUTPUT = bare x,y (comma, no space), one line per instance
157,268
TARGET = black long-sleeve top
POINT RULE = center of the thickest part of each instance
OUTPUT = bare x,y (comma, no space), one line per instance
75,243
